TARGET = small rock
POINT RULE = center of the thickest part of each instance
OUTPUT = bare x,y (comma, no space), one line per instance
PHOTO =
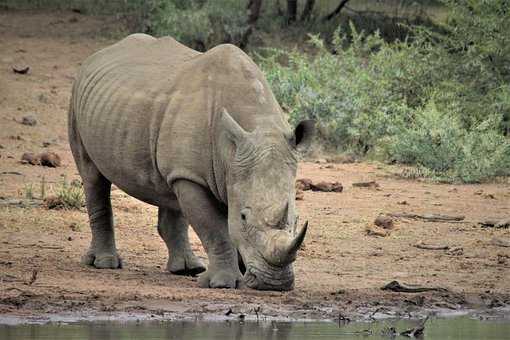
327,187
384,221
53,202
502,259
29,120
489,196
50,159
70,238
402,203
300,195
46,144
374,231
303,184
321,161
30,158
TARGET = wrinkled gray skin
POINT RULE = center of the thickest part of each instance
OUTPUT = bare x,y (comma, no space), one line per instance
202,137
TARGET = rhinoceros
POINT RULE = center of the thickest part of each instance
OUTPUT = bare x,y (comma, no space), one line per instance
202,137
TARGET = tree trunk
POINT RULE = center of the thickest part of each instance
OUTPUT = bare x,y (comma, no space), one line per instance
254,7
291,10
279,9
307,11
337,10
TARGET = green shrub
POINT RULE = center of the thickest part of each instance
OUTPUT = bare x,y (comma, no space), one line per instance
439,142
440,101
200,24
357,95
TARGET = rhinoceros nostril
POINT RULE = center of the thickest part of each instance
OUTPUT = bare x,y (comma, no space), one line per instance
244,214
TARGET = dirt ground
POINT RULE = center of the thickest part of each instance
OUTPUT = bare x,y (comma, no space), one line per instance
339,271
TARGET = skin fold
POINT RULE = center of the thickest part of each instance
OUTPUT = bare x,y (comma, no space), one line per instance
201,136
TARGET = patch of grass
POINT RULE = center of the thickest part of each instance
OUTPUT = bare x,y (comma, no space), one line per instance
66,196
28,191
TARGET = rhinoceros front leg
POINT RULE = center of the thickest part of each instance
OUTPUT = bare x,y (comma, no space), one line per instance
173,229
204,213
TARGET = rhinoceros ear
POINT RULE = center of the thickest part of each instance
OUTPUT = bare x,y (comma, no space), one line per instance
303,134
234,131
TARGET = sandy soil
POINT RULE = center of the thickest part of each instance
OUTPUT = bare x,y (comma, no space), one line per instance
339,271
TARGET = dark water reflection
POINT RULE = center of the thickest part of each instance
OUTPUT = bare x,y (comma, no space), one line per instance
457,328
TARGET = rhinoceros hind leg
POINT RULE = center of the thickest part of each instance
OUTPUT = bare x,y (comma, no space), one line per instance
209,221
173,229
102,252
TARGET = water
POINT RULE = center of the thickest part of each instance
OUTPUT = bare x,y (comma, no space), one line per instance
451,328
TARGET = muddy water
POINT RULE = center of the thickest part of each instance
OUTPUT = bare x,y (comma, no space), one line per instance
451,328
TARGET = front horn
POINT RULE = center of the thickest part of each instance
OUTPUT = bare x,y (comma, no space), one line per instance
282,249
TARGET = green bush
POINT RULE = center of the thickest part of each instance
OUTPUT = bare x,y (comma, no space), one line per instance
200,24
439,143
359,94
440,101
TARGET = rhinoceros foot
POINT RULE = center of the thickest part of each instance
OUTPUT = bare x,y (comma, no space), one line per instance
185,264
102,260
220,279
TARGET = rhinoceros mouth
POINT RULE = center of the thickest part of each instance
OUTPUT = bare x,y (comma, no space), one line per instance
264,276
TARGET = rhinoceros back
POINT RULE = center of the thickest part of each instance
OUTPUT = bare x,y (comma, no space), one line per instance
118,102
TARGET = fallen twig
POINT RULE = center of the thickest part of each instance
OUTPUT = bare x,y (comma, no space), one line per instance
12,173
495,223
395,286
429,217
422,245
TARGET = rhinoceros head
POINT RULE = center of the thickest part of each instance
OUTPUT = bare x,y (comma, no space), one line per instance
262,219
